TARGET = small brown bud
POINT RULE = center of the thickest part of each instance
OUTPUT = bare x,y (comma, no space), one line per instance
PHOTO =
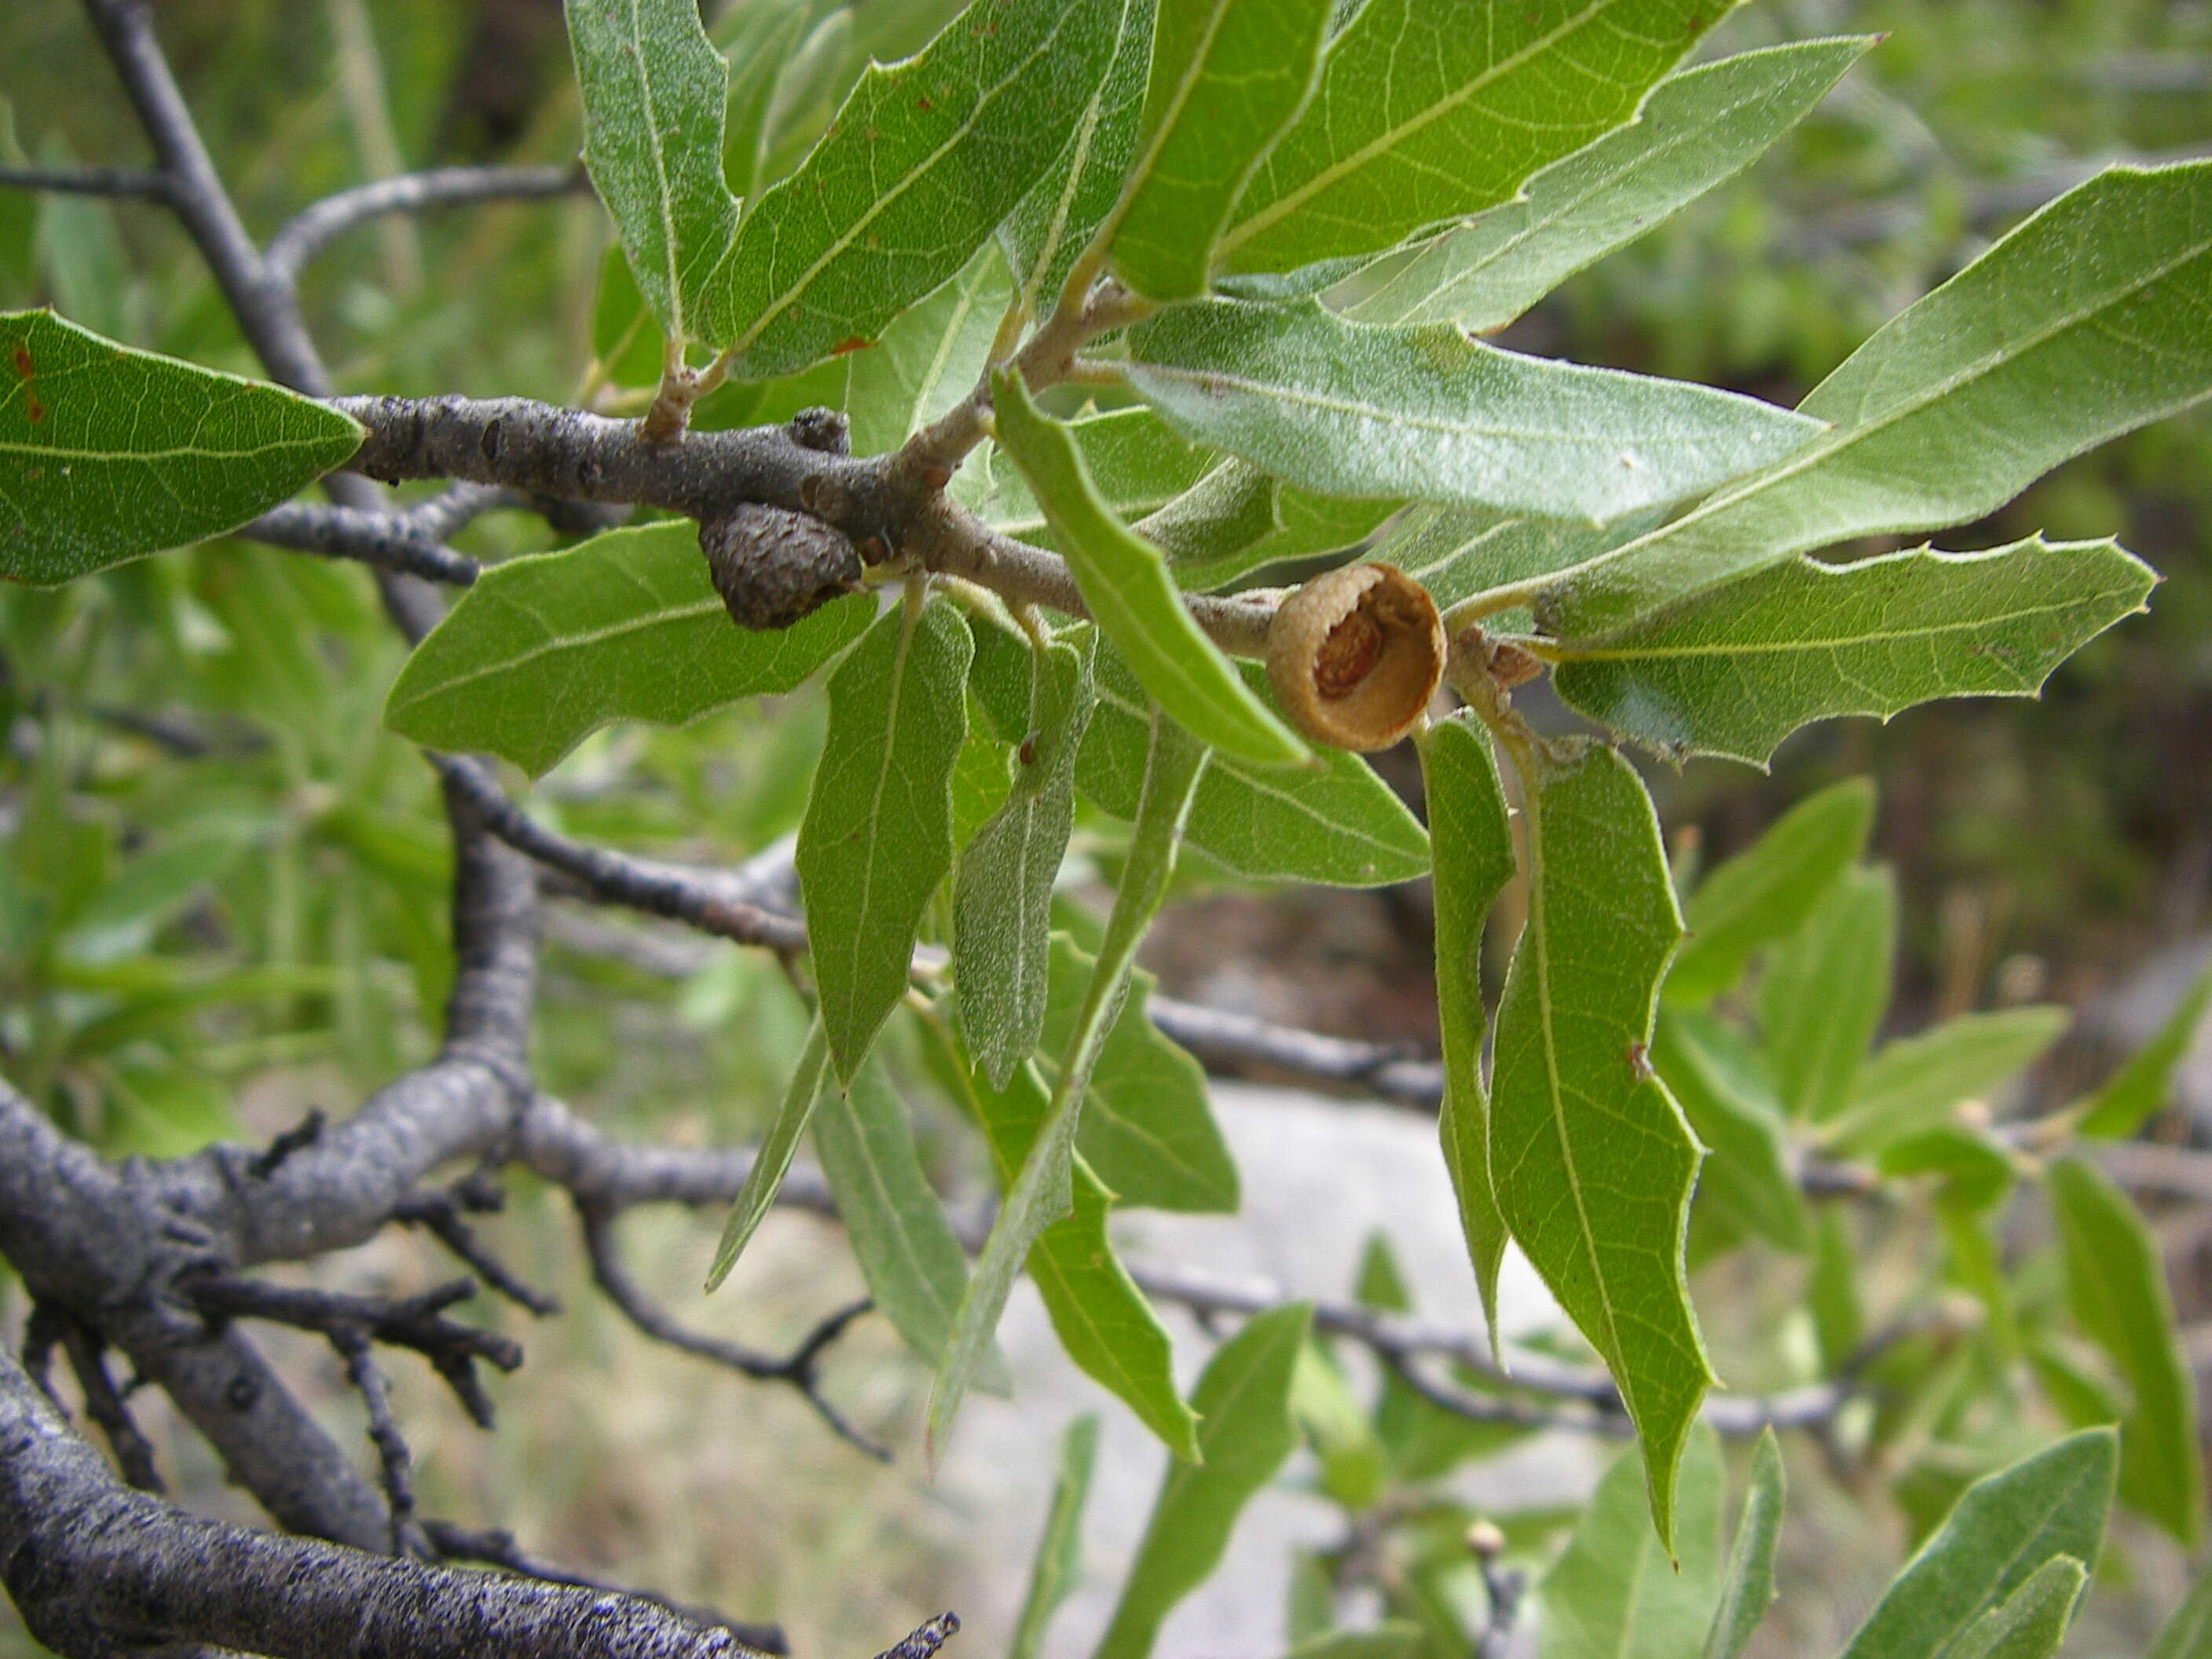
772,566
1355,655
1485,1540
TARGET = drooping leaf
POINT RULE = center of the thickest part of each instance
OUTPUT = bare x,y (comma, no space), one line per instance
1236,519
1736,669
2139,1089
1472,850
1591,1159
1038,1191
1335,823
1746,1180
1747,1590
2001,1533
773,1161
2117,1281
1767,892
1059,1565
878,834
1136,464
1822,997
1355,1465
1243,1401
922,162
655,91
1831,1292
1045,235
626,336
1002,897
1131,595
909,1256
1697,130
107,453
543,651
2032,1621
1914,1082
1427,113
1101,1319
2188,1634
1613,1594
1962,401
1227,77
1148,1128
928,360
1425,414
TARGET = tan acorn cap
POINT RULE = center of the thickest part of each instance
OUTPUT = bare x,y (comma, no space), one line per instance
1355,654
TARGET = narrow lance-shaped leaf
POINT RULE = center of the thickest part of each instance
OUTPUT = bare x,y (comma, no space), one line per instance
1767,892
1131,595
1245,1432
928,360
2117,1281
2188,1634
1822,995
1101,1319
909,1257
1045,235
107,453
1040,1193
1590,1156
773,1161
1914,1082
1736,669
1697,130
1427,113
1227,77
544,651
1423,413
924,160
2031,1622
1472,851
1236,519
2084,323
1059,1565
654,92
1456,552
1747,1181
2002,1531
878,834
1747,1590
2140,1088
1002,896
1613,1594
1136,464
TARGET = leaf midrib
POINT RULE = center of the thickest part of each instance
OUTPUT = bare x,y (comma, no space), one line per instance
564,642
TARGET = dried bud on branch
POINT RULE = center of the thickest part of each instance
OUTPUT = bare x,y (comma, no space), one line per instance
1355,655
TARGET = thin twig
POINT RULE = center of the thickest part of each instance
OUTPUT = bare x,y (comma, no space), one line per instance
441,1214
393,1458
315,226
141,183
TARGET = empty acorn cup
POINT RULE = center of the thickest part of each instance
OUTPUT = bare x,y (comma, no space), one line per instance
1355,654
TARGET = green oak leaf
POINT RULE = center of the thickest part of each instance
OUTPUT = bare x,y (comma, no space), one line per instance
1045,235
1422,412
1915,1083
1427,113
2116,1277
654,90
1059,1565
1002,894
2031,1623
924,160
544,650
1768,891
107,453
1471,848
877,836
1824,992
1236,519
772,1162
2001,1533
1136,463
1456,552
2084,323
1747,1181
1735,669
2188,1634
2140,1089
1591,1159
1747,1590
1242,1401
1135,601
1697,130
1614,1593
1227,77
910,1258
928,360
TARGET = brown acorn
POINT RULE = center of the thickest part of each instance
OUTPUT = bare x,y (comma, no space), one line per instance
772,566
1355,655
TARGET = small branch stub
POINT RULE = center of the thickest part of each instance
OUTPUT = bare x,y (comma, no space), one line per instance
772,566
1355,655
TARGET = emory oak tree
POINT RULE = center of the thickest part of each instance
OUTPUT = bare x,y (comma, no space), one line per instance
987,399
